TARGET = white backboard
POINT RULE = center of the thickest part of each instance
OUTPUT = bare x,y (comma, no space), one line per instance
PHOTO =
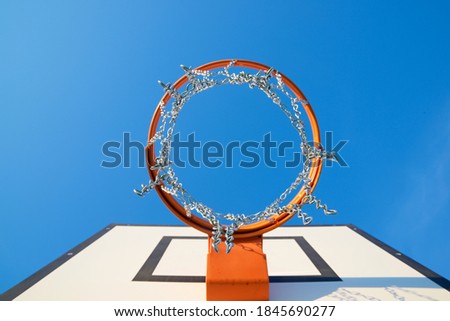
136,262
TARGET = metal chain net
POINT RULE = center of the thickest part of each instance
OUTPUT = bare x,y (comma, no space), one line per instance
278,92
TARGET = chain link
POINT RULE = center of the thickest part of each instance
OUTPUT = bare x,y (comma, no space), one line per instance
198,81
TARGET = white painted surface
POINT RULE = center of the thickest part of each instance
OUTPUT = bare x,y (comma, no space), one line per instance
190,253
285,257
105,269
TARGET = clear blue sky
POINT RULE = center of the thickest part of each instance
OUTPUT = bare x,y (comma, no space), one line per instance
76,74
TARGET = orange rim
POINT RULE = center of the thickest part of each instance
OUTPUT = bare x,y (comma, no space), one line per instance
250,230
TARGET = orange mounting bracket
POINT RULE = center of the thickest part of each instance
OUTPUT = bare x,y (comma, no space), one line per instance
240,275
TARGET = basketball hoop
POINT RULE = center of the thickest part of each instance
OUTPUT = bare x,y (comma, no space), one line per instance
284,93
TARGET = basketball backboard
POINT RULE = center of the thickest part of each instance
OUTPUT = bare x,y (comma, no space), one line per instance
139,262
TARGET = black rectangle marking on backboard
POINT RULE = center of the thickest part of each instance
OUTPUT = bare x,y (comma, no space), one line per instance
146,271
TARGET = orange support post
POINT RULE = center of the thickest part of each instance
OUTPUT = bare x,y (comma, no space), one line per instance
240,275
